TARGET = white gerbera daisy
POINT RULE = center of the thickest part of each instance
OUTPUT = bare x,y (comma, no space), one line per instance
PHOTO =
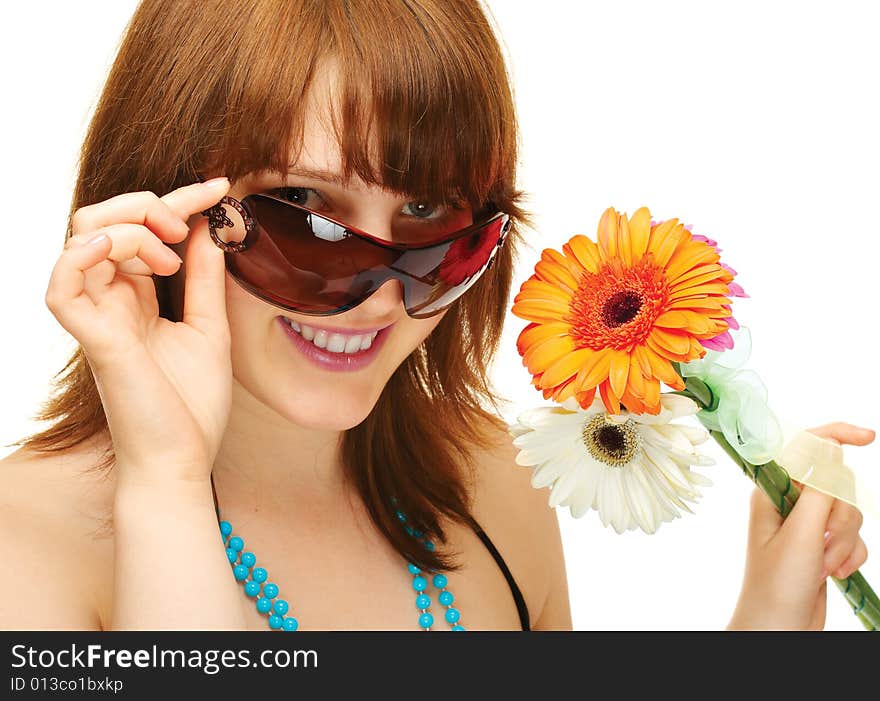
634,469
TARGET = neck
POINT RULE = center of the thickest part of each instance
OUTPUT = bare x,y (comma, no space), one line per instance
265,462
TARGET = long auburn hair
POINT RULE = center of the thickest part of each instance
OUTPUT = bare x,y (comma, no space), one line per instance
219,87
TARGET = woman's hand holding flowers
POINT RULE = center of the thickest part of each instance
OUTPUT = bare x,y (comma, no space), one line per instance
789,560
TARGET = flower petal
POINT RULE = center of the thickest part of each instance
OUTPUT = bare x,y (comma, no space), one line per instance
718,288
595,369
607,233
566,366
639,232
535,289
612,401
564,486
534,334
585,398
540,310
619,371
544,354
582,249
665,239
636,501
574,268
624,252
556,274
682,319
588,472
635,379
690,255
675,343
667,467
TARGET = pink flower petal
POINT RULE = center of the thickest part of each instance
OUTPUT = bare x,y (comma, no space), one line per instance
728,268
707,241
711,344
736,290
720,342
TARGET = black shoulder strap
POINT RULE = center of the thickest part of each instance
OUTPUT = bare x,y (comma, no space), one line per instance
517,595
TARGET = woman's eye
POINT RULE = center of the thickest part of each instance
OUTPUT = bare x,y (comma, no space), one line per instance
422,210
298,195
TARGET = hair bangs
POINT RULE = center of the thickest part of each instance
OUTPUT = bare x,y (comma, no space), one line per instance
416,115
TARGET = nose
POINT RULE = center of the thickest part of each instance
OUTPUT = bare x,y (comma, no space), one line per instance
384,302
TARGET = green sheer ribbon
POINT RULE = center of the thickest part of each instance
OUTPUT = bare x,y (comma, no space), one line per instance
733,407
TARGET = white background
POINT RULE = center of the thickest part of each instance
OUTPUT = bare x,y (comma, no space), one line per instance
756,122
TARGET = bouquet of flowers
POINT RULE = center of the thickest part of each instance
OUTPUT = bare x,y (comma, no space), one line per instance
610,322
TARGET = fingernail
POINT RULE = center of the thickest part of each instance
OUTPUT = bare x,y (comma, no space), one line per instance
216,182
827,535
824,575
97,239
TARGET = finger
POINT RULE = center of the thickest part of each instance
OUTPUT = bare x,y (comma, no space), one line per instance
97,278
856,559
845,433
817,620
190,199
143,208
135,266
131,241
204,297
843,533
65,294
764,519
807,522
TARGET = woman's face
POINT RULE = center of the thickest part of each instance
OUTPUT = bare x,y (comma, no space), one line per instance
270,360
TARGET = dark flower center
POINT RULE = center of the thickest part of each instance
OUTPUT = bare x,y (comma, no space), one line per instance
611,438
609,442
621,307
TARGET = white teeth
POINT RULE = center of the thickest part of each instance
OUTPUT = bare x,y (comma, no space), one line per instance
333,342
352,345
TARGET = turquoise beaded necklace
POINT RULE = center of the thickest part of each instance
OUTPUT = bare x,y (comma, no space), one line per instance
277,610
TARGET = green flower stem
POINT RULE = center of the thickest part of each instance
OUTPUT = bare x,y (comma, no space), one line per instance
776,484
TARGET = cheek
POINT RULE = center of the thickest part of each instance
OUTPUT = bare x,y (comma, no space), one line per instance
417,330
248,316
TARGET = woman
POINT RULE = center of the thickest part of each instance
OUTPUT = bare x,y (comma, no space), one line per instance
201,389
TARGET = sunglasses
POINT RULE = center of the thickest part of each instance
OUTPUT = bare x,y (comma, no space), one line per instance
305,262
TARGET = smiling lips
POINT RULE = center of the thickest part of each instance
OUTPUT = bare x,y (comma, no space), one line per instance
334,351
332,341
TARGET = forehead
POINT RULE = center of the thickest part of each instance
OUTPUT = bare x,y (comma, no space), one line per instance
320,150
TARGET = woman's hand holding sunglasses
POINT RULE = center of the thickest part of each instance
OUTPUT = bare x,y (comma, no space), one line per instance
165,386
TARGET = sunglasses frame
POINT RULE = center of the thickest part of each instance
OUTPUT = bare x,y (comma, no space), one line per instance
218,219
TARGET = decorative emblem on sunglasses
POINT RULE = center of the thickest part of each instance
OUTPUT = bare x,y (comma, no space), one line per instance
218,219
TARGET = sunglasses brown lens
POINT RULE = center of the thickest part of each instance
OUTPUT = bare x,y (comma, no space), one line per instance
301,261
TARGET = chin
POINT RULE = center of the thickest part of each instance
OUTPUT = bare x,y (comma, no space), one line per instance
326,415
306,396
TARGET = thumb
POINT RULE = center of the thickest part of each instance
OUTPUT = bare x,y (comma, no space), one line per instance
764,519
204,302
841,432
808,519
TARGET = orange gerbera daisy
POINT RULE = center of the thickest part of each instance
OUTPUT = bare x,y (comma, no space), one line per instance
614,316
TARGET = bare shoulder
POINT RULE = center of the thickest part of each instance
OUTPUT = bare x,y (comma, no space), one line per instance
524,528
52,509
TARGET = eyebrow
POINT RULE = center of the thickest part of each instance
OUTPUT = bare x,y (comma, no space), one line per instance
324,175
